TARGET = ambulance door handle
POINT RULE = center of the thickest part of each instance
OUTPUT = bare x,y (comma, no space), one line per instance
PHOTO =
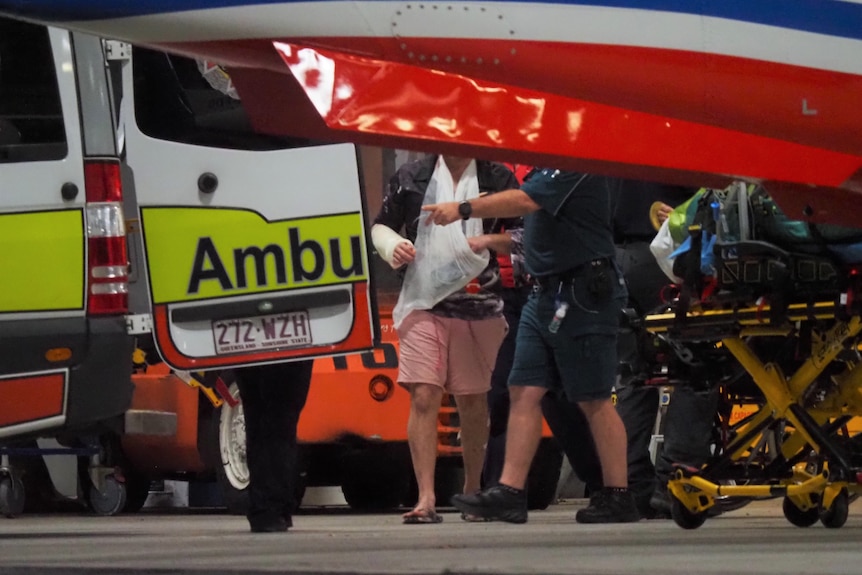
207,183
69,191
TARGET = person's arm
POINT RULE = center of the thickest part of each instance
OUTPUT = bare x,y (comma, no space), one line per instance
395,249
499,243
508,204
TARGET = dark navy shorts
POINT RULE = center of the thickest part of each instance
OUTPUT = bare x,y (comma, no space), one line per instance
580,359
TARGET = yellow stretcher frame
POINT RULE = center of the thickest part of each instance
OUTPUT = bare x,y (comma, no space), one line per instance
808,497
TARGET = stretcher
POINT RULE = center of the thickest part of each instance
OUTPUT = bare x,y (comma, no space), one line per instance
782,332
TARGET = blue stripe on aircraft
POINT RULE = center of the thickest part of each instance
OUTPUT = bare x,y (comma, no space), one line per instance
831,17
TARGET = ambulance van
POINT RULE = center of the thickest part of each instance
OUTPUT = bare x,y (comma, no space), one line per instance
138,210
63,265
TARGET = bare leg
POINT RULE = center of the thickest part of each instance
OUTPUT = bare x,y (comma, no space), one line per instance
473,411
523,434
425,402
609,434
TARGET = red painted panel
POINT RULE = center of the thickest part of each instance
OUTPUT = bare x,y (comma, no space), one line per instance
31,398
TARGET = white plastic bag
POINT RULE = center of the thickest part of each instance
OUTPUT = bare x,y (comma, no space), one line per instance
444,262
662,247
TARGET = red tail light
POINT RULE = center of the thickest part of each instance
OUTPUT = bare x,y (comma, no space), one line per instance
107,260
102,180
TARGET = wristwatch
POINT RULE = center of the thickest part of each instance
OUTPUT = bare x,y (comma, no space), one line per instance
465,210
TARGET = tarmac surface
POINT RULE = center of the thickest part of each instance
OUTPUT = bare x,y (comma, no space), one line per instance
754,540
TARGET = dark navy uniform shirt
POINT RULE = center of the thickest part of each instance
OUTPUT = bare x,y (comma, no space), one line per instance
574,225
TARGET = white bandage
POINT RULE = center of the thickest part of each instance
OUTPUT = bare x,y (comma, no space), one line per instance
385,240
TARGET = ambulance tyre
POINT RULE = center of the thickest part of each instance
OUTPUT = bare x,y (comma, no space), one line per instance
683,517
11,495
222,446
544,475
234,500
797,516
836,516
137,491
376,477
110,500
448,480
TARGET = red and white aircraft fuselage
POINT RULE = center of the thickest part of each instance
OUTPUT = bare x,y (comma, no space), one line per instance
766,90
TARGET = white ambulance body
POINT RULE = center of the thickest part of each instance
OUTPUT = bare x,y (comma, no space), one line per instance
137,208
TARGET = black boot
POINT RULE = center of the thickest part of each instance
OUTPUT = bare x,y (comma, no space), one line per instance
498,502
660,500
610,505
269,523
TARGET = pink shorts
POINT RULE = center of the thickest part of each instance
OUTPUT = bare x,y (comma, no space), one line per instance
455,354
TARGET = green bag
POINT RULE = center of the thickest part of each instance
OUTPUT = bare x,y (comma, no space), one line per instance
682,217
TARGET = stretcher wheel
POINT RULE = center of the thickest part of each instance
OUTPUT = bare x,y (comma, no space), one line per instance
797,516
836,515
11,495
110,500
683,517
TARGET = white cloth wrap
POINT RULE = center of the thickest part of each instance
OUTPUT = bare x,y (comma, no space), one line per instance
444,262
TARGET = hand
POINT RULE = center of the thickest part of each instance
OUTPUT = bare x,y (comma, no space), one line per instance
403,254
663,213
478,243
442,214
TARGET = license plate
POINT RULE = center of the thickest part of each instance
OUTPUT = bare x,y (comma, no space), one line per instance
281,330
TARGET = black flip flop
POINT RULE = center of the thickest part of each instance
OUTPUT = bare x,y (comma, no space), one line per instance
422,516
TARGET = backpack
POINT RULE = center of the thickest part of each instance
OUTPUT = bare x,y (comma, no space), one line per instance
794,235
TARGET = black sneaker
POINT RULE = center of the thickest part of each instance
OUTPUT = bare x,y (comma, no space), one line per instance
647,512
494,503
268,524
660,501
609,506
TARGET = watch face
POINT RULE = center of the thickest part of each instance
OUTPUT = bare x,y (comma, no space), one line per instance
465,209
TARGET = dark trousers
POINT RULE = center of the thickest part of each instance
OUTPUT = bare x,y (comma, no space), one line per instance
272,397
688,425
690,415
572,432
566,420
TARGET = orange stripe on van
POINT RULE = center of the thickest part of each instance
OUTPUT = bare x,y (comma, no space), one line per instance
24,399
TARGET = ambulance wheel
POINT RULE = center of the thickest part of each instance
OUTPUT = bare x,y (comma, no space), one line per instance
544,475
448,480
683,517
11,495
223,449
231,465
836,515
110,500
797,516
137,491
376,477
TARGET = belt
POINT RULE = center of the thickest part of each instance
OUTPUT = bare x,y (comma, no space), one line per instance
568,276
634,240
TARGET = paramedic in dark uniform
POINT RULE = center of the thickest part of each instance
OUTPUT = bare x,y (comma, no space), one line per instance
567,334
272,398
565,419
639,210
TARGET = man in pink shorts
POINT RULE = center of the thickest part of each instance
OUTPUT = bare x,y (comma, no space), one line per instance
449,319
